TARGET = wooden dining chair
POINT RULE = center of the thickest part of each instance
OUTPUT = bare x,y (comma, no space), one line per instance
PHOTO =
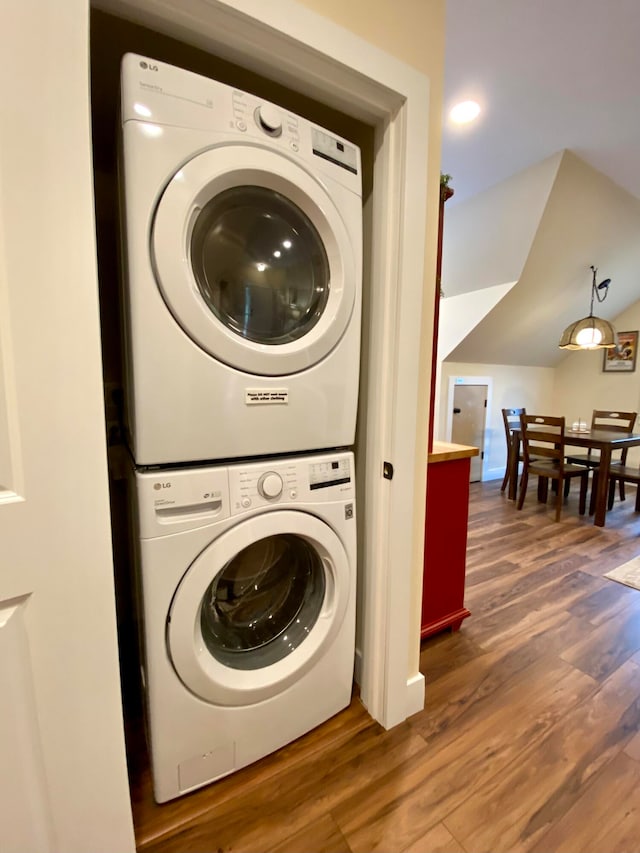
622,474
543,447
511,419
614,422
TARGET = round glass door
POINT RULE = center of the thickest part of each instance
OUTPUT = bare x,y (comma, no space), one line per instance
260,265
258,607
263,603
254,260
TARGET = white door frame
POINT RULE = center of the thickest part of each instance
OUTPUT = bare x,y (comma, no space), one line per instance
469,380
292,45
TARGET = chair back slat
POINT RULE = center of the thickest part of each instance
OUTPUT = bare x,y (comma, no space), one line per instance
511,418
543,437
613,421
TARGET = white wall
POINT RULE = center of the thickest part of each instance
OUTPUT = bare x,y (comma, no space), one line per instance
487,238
459,314
581,385
530,387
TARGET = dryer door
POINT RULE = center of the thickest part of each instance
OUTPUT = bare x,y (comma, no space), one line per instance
258,607
254,260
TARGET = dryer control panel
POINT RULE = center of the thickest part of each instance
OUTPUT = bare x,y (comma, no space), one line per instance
161,94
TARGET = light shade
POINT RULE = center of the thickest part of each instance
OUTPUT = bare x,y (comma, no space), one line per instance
589,333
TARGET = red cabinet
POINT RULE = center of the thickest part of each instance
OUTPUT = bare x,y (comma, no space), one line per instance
446,537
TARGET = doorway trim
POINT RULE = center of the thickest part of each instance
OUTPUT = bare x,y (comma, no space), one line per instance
469,380
288,43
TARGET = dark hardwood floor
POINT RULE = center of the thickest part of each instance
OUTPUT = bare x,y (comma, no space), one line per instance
530,736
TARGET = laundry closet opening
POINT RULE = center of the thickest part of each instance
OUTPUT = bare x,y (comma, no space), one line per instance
111,38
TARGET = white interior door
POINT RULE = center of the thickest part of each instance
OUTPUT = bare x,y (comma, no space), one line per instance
469,419
63,782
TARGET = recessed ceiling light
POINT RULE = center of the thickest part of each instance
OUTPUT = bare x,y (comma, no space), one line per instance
465,112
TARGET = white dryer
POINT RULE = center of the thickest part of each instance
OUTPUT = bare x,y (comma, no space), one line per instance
247,578
242,228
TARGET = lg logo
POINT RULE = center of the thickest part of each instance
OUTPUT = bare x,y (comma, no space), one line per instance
158,486
147,67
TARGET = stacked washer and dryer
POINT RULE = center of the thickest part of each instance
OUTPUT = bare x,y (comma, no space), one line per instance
242,235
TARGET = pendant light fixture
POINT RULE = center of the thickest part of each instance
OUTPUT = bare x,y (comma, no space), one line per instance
591,332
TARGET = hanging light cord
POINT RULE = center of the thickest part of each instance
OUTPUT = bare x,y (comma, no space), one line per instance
604,285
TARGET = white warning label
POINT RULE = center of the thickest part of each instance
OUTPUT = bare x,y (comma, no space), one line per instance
264,397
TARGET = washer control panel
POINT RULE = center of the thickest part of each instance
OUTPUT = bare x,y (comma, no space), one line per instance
180,499
324,477
262,484
332,472
176,499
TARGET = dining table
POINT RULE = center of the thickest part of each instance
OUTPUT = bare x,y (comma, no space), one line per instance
606,441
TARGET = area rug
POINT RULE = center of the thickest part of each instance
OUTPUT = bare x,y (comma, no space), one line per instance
627,573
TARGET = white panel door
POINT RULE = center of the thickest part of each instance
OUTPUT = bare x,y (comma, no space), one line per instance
63,782
469,417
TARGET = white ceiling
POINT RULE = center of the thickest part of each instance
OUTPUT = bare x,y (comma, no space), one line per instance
549,74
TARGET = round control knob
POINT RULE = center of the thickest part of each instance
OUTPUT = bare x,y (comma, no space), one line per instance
269,119
270,485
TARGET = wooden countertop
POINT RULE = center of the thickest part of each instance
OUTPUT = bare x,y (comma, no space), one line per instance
443,451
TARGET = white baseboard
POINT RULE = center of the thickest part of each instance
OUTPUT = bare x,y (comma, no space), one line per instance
415,688
493,474
415,694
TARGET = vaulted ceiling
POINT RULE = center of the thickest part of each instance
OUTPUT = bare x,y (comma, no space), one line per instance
538,231
549,75
547,182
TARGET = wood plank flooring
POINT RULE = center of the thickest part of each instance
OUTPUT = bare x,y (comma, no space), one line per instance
530,736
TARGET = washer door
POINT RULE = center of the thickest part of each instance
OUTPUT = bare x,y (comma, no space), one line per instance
257,607
254,260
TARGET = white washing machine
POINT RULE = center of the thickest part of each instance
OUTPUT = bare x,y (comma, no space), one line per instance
242,227
246,597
